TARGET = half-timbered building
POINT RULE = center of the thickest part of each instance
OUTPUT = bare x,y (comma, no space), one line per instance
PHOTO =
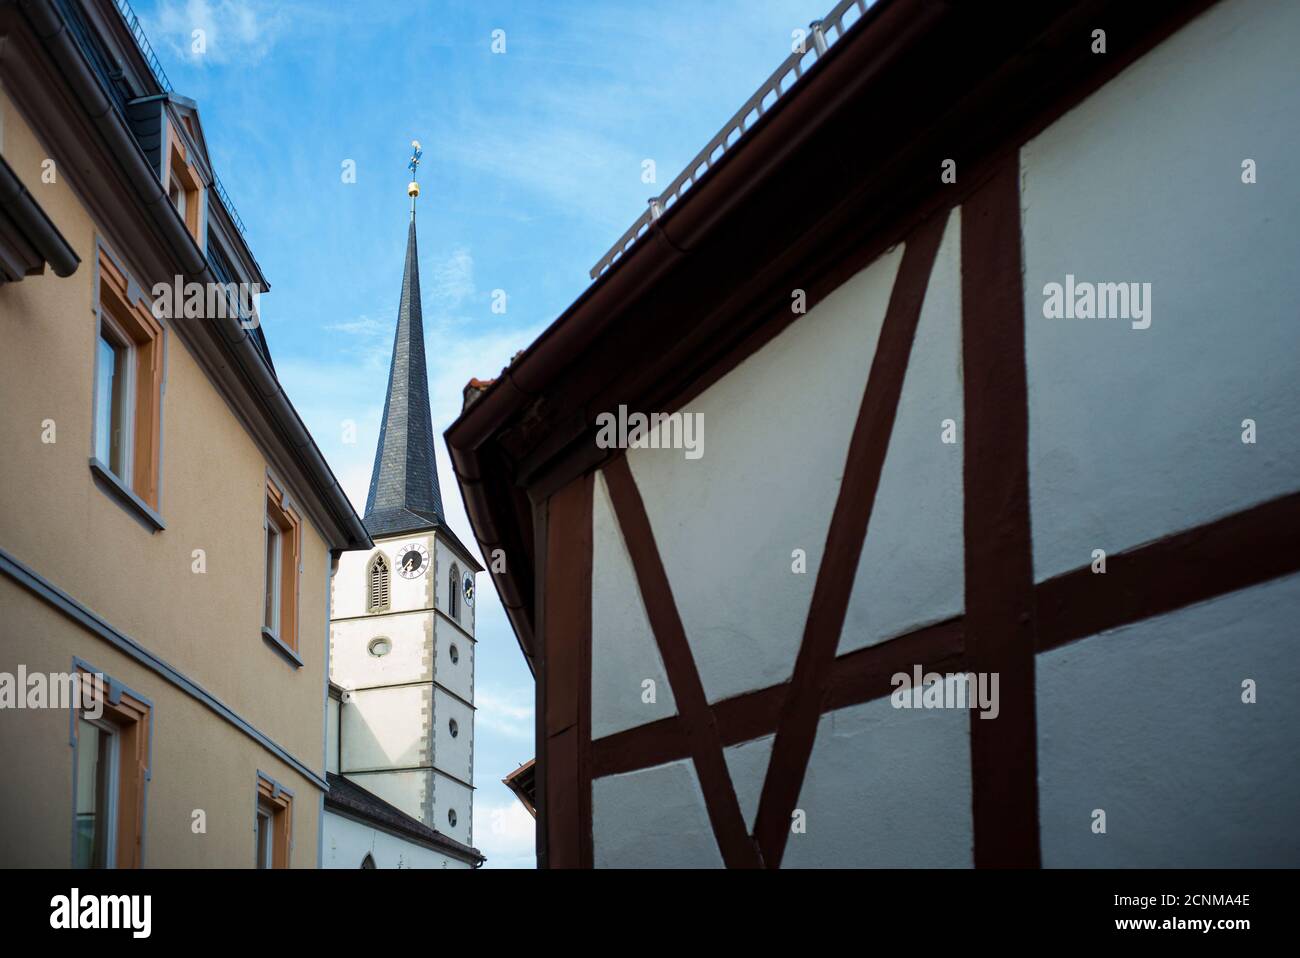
911,452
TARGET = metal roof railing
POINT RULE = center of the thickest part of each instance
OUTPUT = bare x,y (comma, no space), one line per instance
823,34
151,60
230,207
137,31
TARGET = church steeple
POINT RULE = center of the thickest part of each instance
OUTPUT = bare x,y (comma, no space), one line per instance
404,494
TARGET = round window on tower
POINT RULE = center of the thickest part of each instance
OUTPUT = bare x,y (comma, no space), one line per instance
455,654
453,728
380,647
451,817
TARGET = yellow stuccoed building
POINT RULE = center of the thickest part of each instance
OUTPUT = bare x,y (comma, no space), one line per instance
167,526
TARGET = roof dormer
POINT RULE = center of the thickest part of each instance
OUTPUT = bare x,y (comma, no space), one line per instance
168,130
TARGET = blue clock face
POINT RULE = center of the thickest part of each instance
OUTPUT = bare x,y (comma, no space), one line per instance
469,589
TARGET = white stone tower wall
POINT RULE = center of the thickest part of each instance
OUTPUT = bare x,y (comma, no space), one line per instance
395,732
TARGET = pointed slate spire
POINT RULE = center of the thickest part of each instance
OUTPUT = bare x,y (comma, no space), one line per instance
404,494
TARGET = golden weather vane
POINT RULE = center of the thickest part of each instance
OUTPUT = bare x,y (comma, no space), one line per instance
413,188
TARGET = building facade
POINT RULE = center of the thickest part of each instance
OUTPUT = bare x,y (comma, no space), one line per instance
402,632
1003,390
167,525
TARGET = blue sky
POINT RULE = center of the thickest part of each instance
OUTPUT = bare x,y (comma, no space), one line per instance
532,170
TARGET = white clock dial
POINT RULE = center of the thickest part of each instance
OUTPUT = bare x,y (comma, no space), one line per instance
412,560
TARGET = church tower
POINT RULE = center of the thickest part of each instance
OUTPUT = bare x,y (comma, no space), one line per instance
402,614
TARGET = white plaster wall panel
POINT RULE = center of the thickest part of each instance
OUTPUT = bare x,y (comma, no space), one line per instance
887,788
459,675
776,435
1136,433
624,653
332,735
453,755
1147,723
449,795
747,765
348,842
411,790
347,585
652,818
912,568
410,655
446,558
387,728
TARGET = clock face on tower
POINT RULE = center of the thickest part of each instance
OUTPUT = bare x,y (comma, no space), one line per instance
412,560
468,588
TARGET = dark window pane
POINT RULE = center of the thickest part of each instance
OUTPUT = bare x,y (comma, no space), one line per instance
94,800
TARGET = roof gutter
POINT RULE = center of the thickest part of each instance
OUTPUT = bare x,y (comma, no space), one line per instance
18,203
50,28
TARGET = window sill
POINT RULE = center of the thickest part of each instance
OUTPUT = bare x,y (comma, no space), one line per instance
287,653
126,496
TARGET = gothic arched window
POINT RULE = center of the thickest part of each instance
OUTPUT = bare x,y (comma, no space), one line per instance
377,584
367,862
453,592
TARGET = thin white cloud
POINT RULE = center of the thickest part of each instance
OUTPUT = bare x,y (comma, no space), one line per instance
217,31
564,139
511,716
361,326
367,343
453,279
507,705
559,160
506,834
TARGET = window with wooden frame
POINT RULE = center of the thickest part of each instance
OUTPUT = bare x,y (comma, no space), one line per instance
377,584
273,825
110,768
282,530
128,386
184,185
